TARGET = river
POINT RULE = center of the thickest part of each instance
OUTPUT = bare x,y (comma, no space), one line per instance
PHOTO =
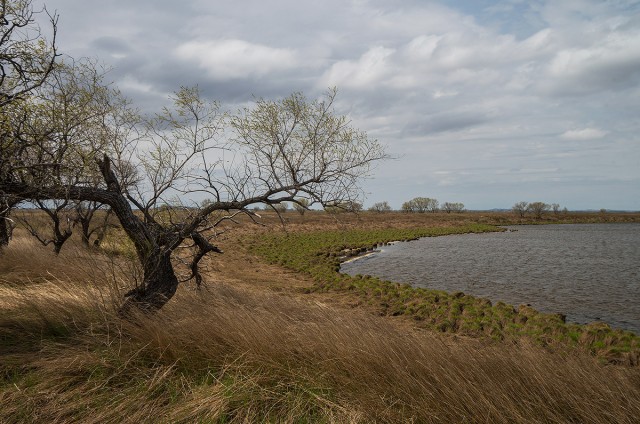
590,272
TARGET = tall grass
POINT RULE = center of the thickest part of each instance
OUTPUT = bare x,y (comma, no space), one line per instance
235,355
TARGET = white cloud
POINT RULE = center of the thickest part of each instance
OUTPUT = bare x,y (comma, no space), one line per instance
584,134
233,59
437,94
367,71
610,63
130,83
423,46
596,48
542,40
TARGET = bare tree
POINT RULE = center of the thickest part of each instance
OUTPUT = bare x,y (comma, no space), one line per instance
433,205
348,206
520,209
60,214
57,131
538,208
449,207
273,152
8,147
85,214
301,205
281,207
421,205
381,207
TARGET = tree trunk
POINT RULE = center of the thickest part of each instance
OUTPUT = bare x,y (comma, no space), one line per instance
6,225
159,279
159,282
59,236
84,224
5,231
158,286
59,241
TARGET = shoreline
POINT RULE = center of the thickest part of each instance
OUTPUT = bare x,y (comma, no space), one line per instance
321,253
483,284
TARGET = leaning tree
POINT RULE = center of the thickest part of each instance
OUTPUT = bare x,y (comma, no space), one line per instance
273,152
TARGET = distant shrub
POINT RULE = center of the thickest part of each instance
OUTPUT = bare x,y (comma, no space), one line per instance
449,207
380,207
421,205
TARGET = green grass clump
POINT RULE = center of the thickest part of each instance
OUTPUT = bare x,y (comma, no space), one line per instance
320,253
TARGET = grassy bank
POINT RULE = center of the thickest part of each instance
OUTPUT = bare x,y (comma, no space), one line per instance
320,253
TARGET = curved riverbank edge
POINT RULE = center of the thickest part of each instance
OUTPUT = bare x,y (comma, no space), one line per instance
320,253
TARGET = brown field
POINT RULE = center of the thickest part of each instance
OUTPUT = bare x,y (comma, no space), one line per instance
255,346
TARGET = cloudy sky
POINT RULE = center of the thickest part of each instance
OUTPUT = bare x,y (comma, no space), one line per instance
485,102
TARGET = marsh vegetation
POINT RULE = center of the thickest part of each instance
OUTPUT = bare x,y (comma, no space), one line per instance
292,340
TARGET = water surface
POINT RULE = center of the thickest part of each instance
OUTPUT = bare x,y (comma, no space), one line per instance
590,272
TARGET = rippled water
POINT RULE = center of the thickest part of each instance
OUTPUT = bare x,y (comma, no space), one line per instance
589,272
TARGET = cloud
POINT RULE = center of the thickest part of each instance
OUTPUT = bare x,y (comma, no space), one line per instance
372,67
446,121
114,46
236,59
612,64
437,94
584,134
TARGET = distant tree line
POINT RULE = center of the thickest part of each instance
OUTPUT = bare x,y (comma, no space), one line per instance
449,207
420,205
381,207
427,204
341,207
537,209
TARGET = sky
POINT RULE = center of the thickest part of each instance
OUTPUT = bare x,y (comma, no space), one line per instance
483,102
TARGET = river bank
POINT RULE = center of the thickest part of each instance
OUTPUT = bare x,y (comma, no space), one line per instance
320,253
588,272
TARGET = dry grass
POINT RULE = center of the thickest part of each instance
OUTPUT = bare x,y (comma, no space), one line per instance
233,354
